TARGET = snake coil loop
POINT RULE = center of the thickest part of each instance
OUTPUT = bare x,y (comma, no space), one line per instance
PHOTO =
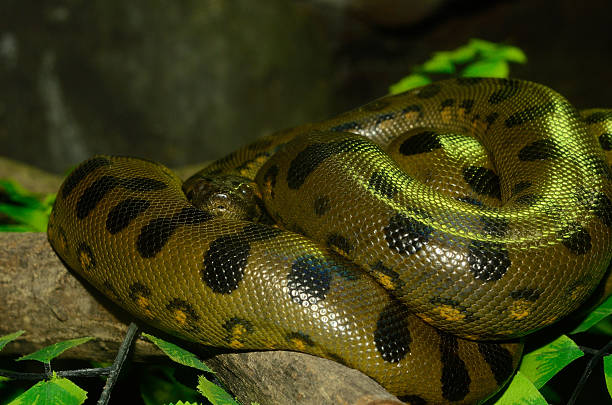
409,238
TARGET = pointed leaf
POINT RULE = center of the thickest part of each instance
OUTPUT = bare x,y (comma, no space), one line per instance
9,338
57,391
596,315
215,394
480,45
462,54
409,82
46,354
542,364
440,63
607,364
513,54
34,217
521,392
487,68
178,354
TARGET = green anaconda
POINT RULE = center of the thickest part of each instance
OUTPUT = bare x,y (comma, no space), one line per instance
412,238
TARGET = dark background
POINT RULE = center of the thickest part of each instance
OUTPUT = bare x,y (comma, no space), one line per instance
188,81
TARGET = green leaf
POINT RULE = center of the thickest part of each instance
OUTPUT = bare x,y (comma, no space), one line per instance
409,82
15,228
487,68
480,45
57,391
9,338
158,387
440,63
33,217
543,363
46,354
19,194
521,391
607,365
512,54
596,315
178,354
462,54
215,394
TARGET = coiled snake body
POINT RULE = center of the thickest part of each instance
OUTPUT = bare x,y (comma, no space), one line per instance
480,206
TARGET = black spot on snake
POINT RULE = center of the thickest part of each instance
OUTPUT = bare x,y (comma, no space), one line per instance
508,90
183,311
422,142
599,166
412,399
406,235
494,226
346,127
309,279
429,91
306,161
520,187
467,105
482,181
339,242
528,294
455,376
81,172
411,109
86,257
269,178
321,205
120,216
259,232
138,291
392,335
109,287
94,194
449,102
470,200
384,118
238,329
602,207
576,239
490,119
154,235
499,360
488,261
530,114
295,337
143,184
528,199
468,81
541,149
225,262
383,184
380,271
605,140
597,117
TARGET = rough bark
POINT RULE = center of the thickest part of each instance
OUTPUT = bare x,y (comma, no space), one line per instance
38,294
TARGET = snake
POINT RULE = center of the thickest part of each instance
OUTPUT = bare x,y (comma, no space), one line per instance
416,238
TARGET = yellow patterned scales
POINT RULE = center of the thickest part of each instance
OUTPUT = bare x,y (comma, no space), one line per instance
409,238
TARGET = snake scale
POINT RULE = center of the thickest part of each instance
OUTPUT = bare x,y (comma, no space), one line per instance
412,238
